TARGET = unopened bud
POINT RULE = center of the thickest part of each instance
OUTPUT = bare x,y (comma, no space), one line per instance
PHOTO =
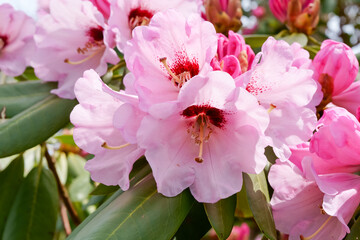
224,14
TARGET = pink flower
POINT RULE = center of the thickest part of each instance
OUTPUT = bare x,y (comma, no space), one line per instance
233,55
335,68
308,206
167,53
103,6
299,15
205,139
16,40
126,15
259,12
68,44
282,83
112,144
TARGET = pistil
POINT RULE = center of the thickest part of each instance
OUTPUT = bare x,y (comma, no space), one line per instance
105,145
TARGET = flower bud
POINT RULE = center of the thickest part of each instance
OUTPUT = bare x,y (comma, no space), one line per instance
224,14
298,15
335,68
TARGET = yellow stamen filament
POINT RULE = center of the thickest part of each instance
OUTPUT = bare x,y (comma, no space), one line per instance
176,78
105,145
138,21
316,233
83,60
2,43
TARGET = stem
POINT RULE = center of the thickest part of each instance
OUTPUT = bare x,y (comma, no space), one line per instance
62,190
65,219
314,41
3,78
121,64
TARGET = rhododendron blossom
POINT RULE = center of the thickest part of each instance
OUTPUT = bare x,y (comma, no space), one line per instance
282,82
169,52
126,15
335,68
115,150
69,44
205,139
233,55
103,6
16,42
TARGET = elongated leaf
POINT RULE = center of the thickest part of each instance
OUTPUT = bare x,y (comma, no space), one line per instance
10,181
258,198
139,213
255,40
134,180
34,212
17,97
242,205
104,190
34,125
355,231
221,216
195,225
296,37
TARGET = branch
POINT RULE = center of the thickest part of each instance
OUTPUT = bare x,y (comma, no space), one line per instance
62,190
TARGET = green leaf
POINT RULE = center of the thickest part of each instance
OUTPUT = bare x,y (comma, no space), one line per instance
258,198
242,205
255,40
134,180
313,50
34,212
28,74
355,231
221,216
296,37
195,225
17,97
34,125
80,188
10,181
66,139
102,189
139,213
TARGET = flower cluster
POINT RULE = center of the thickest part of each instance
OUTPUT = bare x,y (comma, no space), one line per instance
201,106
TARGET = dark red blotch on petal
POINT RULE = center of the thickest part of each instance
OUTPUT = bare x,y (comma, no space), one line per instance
215,115
183,64
139,12
4,39
96,33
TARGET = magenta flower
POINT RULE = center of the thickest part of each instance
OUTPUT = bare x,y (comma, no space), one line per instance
114,148
335,68
300,206
282,82
168,53
205,139
233,55
16,40
68,44
298,15
126,15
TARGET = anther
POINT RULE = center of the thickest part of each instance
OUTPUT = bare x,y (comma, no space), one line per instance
272,107
105,145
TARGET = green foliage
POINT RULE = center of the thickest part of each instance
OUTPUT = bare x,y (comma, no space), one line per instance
221,216
10,182
258,198
33,214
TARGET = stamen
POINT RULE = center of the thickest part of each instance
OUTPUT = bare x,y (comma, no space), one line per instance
2,43
83,60
105,145
272,107
316,233
163,61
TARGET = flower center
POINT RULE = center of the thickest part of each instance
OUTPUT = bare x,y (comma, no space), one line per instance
92,47
3,42
182,69
139,17
201,129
